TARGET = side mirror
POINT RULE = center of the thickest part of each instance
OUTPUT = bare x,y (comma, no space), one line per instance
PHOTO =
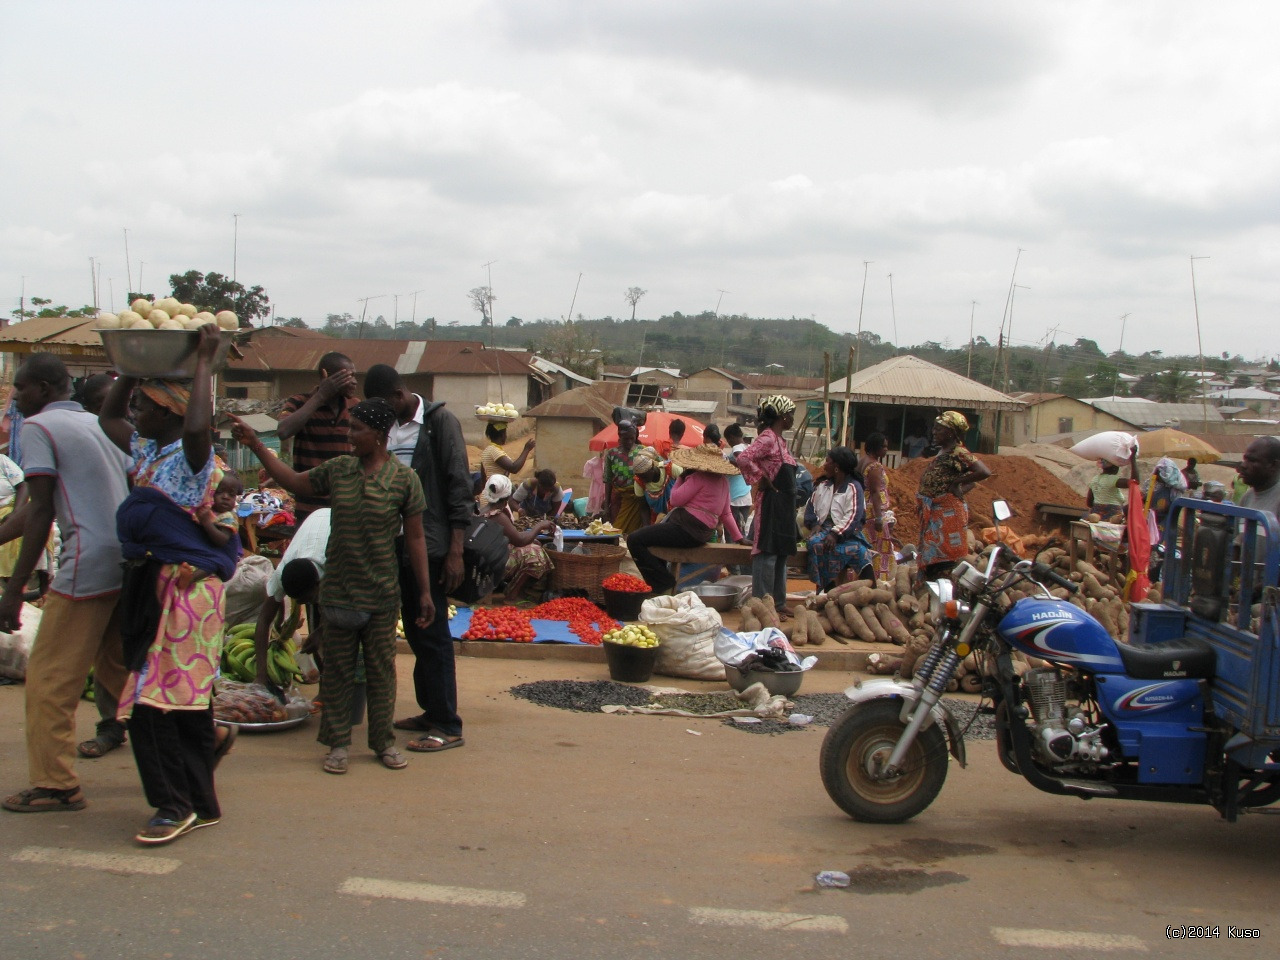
1001,510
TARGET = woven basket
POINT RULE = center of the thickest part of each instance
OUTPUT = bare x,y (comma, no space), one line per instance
586,571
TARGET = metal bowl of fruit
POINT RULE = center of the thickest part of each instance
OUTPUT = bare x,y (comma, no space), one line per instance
160,353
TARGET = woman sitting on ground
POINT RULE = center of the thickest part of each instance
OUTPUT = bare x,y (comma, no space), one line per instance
699,504
835,513
539,496
527,560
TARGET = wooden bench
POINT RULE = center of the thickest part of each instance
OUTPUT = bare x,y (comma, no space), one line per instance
693,562
1113,559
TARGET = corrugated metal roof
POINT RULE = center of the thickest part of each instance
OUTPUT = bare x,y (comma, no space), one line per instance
1034,399
1144,413
770,381
1243,393
53,331
695,408
910,381
724,373
595,402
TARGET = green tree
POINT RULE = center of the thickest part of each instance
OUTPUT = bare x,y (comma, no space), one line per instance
41,307
482,299
296,322
632,296
571,345
214,292
337,324
1174,386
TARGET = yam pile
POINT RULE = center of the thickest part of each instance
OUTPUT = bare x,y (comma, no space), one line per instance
896,613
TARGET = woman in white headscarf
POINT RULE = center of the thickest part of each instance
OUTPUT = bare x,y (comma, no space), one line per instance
527,560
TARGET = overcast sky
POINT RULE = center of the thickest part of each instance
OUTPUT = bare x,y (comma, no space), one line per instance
751,153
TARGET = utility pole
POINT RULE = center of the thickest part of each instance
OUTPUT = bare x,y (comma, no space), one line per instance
364,310
893,311
858,341
235,244
413,317
574,300
968,370
1115,382
1015,287
718,301
1204,404
128,274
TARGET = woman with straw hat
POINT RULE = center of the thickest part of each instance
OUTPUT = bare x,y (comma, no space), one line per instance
944,516
699,504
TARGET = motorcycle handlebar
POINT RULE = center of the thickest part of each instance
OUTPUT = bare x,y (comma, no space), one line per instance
1048,573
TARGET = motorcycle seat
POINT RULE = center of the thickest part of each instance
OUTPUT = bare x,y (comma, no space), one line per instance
1186,657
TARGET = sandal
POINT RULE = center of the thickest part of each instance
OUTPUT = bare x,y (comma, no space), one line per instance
434,743
161,830
99,746
393,759
336,761
418,723
43,799
225,744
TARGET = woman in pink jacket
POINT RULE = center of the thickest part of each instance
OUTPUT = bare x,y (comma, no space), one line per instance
699,504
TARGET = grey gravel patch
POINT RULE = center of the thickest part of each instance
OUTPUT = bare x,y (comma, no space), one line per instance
588,696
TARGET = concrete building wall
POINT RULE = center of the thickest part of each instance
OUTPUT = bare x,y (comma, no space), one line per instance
563,444
1059,415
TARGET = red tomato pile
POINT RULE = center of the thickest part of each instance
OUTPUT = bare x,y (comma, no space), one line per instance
587,621
626,583
500,623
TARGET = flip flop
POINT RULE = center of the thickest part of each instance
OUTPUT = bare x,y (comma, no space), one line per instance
99,746
336,761
393,759
418,723
434,744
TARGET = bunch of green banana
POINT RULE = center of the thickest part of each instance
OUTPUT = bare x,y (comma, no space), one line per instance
239,661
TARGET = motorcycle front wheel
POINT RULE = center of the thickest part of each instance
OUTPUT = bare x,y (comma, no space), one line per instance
859,743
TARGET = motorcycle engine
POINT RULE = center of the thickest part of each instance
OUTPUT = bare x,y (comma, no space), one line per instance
1062,733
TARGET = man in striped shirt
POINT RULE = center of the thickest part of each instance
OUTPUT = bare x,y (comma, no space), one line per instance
318,422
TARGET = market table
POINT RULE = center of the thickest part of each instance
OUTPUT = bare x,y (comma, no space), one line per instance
711,555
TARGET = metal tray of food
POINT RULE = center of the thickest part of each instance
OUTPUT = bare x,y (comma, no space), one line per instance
266,727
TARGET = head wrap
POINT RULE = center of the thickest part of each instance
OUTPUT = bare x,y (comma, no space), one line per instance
629,424
955,421
497,488
775,407
641,464
1212,487
377,414
173,395
1170,475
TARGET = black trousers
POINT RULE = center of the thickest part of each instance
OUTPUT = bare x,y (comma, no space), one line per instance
435,677
174,753
657,573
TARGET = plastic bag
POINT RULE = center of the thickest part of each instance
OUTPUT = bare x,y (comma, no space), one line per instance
735,649
236,702
15,648
1114,446
247,589
687,629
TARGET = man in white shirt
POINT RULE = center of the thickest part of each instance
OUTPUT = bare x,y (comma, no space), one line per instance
298,577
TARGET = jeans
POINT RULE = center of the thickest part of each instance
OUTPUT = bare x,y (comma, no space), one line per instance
769,576
435,678
656,572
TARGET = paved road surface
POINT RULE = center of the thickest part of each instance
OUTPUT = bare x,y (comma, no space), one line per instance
561,835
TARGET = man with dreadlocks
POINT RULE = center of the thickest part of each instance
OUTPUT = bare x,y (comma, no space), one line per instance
769,466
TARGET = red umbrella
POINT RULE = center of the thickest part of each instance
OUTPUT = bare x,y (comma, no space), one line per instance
655,433
1138,583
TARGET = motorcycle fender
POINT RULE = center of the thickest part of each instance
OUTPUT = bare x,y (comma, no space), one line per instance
884,688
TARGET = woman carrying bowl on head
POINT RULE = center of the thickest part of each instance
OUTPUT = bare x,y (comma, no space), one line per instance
494,460
699,504
372,496
944,515
769,466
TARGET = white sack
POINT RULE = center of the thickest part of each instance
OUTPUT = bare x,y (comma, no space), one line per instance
687,629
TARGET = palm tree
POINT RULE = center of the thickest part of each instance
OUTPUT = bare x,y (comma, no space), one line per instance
1174,386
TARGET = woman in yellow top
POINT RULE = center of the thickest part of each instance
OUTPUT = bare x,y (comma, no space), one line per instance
494,460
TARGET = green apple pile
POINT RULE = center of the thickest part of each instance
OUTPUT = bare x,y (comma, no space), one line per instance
165,314
632,635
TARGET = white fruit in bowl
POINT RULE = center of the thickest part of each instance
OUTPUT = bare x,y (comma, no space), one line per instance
108,321
142,323
227,320
142,306
168,304
128,317
187,310
171,324
157,317
191,323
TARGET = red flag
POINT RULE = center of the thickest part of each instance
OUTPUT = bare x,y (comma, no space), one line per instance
1138,583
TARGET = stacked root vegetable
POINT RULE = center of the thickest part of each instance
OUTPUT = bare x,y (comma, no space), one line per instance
896,613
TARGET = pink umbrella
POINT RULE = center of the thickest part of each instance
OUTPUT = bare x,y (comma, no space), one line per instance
655,433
